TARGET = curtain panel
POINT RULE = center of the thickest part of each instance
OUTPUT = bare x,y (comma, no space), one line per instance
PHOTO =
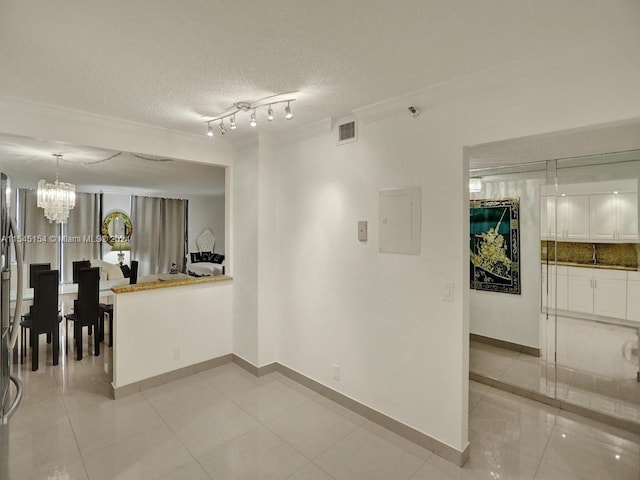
81,233
40,239
159,236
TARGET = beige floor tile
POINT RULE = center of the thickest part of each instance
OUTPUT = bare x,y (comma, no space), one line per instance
546,472
258,454
340,410
310,471
429,472
181,397
230,381
509,427
367,456
71,471
113,422
32,415
44,447
270,400
490,461
149,455
189,471
397,440
587,458
212,427
311,428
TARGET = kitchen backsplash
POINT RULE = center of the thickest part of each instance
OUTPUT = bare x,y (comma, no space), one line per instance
610,254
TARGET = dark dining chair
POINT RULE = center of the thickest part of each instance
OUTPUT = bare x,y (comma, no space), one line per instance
77,265
44,317
85,311
33,269
75,268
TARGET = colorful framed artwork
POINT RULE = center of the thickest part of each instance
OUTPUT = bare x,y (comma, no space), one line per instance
494,230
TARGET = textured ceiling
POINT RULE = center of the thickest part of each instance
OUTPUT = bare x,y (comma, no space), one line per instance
174,64
167,63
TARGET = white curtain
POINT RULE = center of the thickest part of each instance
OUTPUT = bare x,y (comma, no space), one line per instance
159,234
81,233
40,239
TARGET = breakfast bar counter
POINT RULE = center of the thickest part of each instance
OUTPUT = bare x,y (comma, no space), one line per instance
167,327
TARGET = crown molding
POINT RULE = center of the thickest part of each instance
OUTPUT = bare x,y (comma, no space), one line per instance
305,132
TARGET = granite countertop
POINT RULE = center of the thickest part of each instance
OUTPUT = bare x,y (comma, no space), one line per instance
178,282
591,265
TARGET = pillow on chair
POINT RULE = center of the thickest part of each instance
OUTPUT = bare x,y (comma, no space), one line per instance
198,257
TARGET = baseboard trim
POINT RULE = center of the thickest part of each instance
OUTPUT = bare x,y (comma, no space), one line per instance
441,449
558,403
516,347
147,383
251,368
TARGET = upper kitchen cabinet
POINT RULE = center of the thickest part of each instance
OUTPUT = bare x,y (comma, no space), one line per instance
614,217
594,212
565,217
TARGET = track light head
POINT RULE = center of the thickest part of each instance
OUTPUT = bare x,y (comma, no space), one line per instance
232,122
209,131
222,128
415,112
270,114
253,122
287,112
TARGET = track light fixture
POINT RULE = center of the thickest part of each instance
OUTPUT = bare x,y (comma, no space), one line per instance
287,112
253,108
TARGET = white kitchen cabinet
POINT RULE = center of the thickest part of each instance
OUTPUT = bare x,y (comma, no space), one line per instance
556,295
627,216
574,216
602,219
613,217
610,293
580,289
569,221
597,291
633,296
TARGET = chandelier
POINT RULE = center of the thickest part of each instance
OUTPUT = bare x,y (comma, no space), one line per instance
246,107
56,198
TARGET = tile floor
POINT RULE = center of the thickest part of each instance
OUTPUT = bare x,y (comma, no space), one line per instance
596,366
227,424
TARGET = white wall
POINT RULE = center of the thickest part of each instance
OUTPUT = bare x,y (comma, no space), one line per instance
245,257
206,211
514,318
402,350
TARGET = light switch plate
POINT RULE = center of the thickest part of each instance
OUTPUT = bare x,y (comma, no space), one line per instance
447,291
362,230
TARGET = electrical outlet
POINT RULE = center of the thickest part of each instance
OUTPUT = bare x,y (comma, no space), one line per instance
176,353
336,372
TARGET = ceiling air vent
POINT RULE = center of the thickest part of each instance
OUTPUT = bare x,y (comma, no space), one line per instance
347,132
